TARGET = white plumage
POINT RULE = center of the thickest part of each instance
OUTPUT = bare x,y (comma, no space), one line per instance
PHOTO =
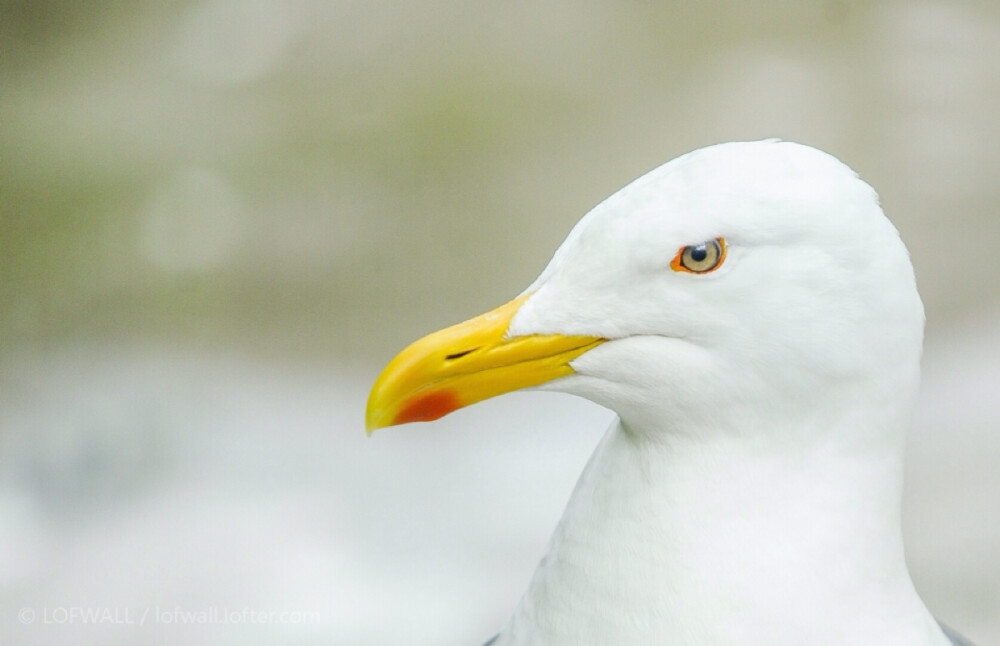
750,492
753,319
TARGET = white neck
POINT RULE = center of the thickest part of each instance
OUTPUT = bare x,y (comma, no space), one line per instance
697,541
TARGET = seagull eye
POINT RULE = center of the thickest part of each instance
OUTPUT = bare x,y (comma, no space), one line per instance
700,258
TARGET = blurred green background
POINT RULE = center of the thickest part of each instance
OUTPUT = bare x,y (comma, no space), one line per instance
328,176
302,187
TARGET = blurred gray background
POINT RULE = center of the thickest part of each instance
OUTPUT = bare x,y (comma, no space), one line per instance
219,218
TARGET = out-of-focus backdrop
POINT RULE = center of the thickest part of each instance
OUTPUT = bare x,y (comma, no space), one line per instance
218,218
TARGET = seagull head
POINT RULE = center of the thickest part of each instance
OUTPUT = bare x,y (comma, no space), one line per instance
741,285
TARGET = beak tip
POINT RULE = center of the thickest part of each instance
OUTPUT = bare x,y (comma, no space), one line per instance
374,417
374,420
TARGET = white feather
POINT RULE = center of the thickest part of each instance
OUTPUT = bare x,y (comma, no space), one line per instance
750,492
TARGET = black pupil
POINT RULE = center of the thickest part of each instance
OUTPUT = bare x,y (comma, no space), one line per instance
699,253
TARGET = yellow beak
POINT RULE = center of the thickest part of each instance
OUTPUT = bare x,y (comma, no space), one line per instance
467,363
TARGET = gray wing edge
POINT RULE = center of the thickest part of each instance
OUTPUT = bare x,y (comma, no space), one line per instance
497,636
954,637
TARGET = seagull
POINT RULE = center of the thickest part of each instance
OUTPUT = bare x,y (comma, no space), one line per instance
752,317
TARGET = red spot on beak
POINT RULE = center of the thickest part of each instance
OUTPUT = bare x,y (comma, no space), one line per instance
429,407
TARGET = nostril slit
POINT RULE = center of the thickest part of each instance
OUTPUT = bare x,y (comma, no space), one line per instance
459,355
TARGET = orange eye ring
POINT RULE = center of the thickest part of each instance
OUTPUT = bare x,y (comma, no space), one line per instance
700,258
